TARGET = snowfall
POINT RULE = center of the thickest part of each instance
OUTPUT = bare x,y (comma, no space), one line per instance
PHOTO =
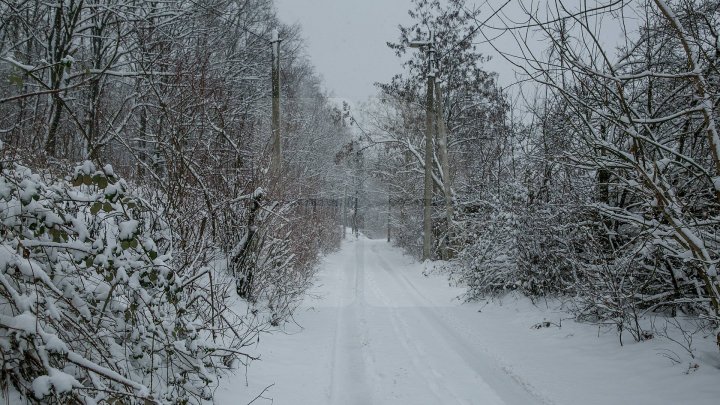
381,328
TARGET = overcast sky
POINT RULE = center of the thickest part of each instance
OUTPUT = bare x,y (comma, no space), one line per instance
346,41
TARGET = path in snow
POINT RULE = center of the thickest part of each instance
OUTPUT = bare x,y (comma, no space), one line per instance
393,341
377,334
376,331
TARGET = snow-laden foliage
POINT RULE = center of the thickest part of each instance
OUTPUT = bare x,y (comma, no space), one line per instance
606,193
176,97
93,306
268,261
487,265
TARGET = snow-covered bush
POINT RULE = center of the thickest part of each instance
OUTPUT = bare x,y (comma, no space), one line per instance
263,264
546,239
487,262
93,308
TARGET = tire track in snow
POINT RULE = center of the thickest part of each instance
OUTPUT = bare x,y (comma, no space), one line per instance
348,380
515,389
413,353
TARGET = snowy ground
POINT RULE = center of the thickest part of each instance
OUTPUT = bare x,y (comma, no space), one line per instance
379,332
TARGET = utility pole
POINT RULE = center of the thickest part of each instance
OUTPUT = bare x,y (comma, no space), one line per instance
429,46
276,152
356,229
427,198
344,212
389,211
444,167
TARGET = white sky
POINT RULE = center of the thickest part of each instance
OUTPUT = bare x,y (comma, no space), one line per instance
346,40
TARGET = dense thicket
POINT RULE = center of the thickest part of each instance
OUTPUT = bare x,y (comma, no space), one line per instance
120,290
606,192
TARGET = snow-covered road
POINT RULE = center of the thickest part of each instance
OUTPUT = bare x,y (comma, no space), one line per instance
395,344
377,331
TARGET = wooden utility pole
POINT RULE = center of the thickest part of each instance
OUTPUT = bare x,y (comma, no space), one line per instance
356,226
276,152
344,212
427,198
429,46
444,167
388,215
